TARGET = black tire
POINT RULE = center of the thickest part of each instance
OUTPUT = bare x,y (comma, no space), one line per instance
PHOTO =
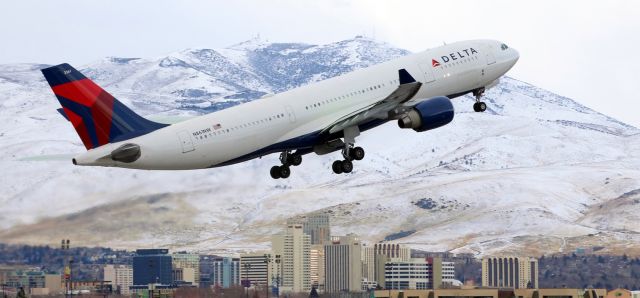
482,106
476,107
295,159
357,153
275,172
284,172
337,167
347,166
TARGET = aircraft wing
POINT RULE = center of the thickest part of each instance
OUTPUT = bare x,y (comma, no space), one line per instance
380,110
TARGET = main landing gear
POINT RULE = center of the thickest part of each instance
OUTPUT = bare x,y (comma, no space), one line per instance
479,106
287,159
349,153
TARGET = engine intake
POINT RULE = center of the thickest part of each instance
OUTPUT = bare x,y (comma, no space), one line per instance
429,114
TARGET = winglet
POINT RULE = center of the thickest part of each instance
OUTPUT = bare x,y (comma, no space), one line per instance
405,77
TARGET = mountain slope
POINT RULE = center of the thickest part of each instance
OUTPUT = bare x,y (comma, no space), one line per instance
536,173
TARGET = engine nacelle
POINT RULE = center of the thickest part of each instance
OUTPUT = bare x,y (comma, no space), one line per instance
429,114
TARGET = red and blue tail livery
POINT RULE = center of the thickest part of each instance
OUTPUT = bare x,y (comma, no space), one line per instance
97,116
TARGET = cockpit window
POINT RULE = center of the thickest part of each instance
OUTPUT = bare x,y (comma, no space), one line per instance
504,47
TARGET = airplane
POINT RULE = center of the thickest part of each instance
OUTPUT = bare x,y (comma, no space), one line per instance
321,118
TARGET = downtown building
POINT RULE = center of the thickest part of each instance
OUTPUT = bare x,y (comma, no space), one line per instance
35,282
317,266
120,277
418,274
225,272
206,270
374,259
275,270
186,268
294,247
152,266
510,272
343,264
317,226
254,269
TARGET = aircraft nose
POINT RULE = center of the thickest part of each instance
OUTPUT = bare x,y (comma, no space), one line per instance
515,55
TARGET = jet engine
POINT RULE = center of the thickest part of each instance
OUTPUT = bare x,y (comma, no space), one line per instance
429,114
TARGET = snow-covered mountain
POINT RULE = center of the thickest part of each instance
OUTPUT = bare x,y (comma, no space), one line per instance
536,173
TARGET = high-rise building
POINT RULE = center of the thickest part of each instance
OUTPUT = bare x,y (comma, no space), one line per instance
183,260
316,266
510,272
206,270
343,264
417,273
448,273
120,277
254,267
226,272
294,248
318,228
152,266
374,259
275,269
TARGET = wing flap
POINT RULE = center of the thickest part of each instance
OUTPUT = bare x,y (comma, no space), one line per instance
380,110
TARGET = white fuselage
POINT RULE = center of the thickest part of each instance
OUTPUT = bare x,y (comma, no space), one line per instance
288,119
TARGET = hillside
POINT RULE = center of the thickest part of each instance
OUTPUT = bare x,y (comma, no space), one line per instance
537,173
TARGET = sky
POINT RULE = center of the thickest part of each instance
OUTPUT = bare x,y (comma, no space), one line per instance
585,50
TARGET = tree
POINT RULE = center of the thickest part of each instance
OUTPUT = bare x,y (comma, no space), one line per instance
21,293
314,293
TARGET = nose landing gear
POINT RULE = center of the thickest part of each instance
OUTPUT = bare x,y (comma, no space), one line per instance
479,106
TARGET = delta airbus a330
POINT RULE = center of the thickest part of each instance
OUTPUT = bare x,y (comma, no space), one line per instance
324,117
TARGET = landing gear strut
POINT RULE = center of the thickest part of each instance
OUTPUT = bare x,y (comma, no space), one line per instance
479,106
349,153
287,159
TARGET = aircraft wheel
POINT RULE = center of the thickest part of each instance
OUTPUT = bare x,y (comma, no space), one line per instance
284,172
347,166
357,153
337,167
482,106
275,172
295,159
